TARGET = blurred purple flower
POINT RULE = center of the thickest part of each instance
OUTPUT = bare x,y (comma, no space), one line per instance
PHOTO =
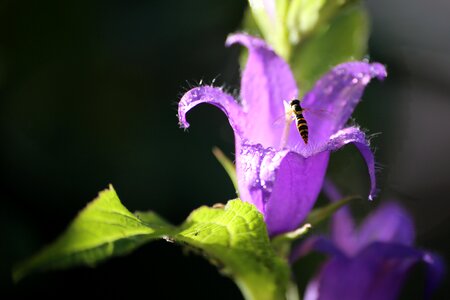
277,172
369,262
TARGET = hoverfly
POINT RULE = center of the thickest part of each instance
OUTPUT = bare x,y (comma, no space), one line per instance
294,111
301,123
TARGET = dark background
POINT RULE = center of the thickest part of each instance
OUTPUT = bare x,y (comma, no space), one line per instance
88,94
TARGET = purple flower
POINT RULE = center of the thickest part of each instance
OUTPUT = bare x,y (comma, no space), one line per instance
371,261
277,172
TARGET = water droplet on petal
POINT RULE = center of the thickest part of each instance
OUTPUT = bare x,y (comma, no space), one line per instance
365,79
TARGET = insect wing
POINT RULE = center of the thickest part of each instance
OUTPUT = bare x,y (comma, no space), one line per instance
283,119
319,113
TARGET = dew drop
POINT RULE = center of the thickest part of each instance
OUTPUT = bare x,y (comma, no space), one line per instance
365,79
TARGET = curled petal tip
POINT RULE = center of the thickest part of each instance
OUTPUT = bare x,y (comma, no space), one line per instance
182,117
373,189
183,123
236,38
358,138
183,108
231,39
378,70
214,96
246,40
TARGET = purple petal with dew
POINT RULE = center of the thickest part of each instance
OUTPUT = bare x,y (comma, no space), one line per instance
388,223
283,185
337,93
266,82
377,272
297,184
343,227
357,137
216,97
255,167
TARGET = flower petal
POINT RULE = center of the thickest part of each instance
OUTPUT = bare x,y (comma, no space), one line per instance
358,138
255,167
297,184
312,289
266,81
283,185
435,272
337,93
216,97
388,223
315,243
343,229
378,272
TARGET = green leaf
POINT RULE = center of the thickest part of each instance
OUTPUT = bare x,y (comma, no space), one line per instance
105,228
344,38
320,214
153,220
282,243
235,238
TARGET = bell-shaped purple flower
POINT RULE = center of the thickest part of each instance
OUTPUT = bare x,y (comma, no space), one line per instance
277,172
371,261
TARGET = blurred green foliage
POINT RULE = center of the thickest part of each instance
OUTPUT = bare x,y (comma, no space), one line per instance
311,35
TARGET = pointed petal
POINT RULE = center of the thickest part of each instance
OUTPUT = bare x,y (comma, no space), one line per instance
378,272
358,138
216,97
343,227
297,184
337,93
388,223
266,81
391,264
435,272
283,185
312,289
315,243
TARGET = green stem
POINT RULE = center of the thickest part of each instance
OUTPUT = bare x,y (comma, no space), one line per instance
228,165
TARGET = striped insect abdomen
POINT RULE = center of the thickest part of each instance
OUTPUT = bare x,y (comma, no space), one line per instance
302,126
